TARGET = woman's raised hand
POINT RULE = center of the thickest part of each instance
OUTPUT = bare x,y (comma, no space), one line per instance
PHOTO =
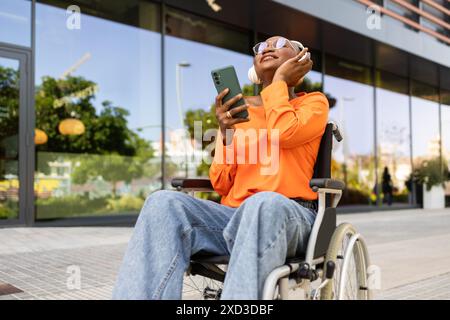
292,70
225,115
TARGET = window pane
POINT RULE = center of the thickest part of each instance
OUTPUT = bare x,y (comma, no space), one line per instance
98,103
188,65
394,156
353,158
425,122
347,70
445,113
391,82
425,130
188,26
15,22
424,91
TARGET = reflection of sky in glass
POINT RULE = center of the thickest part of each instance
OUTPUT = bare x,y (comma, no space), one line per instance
15,17
197,88
314,76
354,114
9,63
393,121
425,126
393,135
124,62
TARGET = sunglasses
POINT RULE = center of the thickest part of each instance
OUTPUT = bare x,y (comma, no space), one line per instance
280,43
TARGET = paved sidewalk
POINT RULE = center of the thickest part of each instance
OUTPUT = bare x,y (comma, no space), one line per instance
412,248
41,261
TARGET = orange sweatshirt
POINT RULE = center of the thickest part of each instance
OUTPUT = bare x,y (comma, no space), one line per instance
252,164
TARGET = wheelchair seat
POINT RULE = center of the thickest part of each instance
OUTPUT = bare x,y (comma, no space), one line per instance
224,260
209,258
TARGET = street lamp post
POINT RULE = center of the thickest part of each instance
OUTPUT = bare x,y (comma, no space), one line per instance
180,65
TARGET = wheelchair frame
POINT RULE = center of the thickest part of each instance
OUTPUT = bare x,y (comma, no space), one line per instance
297,272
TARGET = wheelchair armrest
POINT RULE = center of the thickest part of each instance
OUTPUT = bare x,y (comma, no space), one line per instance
326,183
198,184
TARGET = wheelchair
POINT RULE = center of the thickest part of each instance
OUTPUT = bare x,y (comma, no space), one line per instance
334,266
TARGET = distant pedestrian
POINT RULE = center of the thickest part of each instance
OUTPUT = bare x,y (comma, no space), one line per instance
387,186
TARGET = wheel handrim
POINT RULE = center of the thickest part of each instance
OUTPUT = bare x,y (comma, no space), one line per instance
347,281
355,281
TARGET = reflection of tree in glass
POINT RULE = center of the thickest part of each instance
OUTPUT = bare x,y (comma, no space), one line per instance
9,155
308,86
106,132
113,168
118,153
9,119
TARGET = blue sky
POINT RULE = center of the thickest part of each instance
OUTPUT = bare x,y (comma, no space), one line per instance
15,22
9,63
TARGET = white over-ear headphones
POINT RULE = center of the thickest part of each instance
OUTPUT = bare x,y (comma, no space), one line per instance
253,76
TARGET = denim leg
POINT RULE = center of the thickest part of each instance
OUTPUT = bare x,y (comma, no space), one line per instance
171,227
265,229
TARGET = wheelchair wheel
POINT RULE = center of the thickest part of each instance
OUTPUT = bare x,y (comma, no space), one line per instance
202,287
349,253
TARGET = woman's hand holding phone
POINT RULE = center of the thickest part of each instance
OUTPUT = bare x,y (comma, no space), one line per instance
294,69
225,115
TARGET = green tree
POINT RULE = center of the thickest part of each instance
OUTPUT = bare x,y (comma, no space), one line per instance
431,172
112,168
9,128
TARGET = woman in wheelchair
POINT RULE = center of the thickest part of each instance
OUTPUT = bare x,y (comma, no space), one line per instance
262,218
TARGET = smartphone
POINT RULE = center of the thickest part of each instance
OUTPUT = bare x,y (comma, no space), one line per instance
226,78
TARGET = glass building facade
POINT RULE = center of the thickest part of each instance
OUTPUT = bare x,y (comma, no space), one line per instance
112,87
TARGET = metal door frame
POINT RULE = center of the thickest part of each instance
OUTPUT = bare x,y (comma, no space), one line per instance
26,134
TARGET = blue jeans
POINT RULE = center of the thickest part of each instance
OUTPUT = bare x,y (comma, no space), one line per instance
173,226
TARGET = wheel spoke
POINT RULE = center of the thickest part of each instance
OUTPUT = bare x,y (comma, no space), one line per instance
200,287
351,277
